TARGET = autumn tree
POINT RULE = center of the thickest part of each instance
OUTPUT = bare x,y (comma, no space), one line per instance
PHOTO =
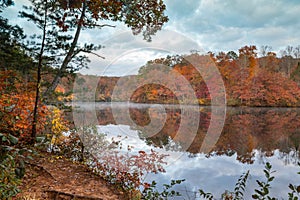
247,56
269,62
18,75
57,20
16,107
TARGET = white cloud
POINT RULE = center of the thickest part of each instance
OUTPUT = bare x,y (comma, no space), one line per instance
125,53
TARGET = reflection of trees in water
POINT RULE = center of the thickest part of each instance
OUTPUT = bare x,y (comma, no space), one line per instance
291,157
262,129
246,130
164,141
289,149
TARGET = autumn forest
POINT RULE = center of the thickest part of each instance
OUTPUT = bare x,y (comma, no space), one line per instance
249,79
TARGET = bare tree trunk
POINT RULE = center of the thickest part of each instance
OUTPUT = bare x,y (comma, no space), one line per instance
37,95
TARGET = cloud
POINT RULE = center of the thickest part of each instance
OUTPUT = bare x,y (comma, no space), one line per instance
208,25
179,8
12,13
228,25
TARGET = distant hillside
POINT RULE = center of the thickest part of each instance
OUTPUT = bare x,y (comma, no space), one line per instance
91,87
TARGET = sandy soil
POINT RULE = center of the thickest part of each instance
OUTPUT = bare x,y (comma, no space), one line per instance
51,177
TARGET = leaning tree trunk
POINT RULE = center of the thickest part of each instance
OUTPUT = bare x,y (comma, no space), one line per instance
69,55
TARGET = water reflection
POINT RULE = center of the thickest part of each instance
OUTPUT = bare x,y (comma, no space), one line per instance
250,137
245,130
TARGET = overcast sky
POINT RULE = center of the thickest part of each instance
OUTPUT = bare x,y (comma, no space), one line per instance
205,25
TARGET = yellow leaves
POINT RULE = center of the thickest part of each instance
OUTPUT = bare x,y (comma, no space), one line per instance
58,124
201,101
53,140
58,157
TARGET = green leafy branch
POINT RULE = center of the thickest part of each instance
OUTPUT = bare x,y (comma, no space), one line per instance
295,190
263,192
150,191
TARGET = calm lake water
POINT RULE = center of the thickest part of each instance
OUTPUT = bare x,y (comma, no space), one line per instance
208,146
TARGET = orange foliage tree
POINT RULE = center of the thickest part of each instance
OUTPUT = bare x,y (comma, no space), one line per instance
16,106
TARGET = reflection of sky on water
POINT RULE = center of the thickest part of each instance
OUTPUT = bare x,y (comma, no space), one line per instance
215,174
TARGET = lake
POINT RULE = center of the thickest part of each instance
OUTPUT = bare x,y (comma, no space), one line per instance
210,147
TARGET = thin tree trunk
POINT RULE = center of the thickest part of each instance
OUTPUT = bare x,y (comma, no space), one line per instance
69,55
37,95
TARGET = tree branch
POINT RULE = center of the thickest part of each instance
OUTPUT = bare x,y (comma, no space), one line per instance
99,25
97,55
105,25
87,51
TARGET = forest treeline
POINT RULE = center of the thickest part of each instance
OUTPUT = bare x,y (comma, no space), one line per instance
249,80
